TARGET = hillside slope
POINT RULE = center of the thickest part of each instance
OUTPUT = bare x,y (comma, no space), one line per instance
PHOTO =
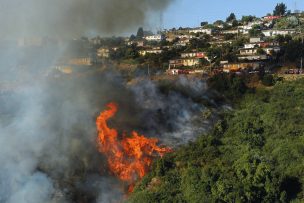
254,154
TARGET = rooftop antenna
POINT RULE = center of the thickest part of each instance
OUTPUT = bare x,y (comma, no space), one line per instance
296,7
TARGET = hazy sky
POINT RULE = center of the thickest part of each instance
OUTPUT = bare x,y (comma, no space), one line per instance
192,12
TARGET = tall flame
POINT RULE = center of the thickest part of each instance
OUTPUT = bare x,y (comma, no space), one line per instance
130,157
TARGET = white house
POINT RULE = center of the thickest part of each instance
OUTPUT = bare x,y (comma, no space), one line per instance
248,51
154,37
230,31
255,39
272,33
198,55
253,57
250,45
201,30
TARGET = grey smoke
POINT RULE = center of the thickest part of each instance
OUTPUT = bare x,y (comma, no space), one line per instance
47,142
173,117
74,18
47,119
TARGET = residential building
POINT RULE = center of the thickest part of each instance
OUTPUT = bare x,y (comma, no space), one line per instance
190,62
253,57
230,32
255,39
154,37
270,18
175,63
81,61
195,54
275,32
150,51
235,67
248,51
103,52
201,30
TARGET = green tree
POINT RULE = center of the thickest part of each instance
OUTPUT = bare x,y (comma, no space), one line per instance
268,80
204,23
140,33
132,37
246,19
230,18
280,9
255,31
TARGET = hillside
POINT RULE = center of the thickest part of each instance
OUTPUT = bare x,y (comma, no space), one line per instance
254,154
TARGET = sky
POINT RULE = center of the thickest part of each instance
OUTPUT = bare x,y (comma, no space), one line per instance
189,13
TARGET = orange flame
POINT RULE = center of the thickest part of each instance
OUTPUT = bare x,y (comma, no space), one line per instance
129,158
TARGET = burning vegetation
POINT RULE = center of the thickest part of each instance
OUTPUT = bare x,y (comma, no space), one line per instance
129,157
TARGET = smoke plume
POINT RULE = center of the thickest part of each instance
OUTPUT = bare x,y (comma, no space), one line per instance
47,142
47,119
74,18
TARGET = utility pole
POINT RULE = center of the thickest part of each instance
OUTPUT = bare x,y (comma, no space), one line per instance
301,69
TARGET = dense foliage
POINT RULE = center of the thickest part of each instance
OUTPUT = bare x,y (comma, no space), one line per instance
280,9
254,154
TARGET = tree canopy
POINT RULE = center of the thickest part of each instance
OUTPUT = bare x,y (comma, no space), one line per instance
140,33
254,154
231,18
280,9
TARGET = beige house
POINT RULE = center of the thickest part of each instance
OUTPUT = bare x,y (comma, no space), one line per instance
103,53
81,61
190,62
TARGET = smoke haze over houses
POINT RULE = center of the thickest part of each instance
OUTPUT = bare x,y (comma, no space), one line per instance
74,18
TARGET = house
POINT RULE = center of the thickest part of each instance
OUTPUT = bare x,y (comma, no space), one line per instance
275,32
201,30
81,61
154,37
175,63
271,50
270,18
225,32
250,45
185,36
193,55
172,71
255,39
236,67
191,62
262,45
248,51
103,53
246,28
96,41
221,42
268,44
253,57
138,43
251,54
150,51
182,42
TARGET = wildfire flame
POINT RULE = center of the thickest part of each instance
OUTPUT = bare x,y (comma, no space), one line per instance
130,157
